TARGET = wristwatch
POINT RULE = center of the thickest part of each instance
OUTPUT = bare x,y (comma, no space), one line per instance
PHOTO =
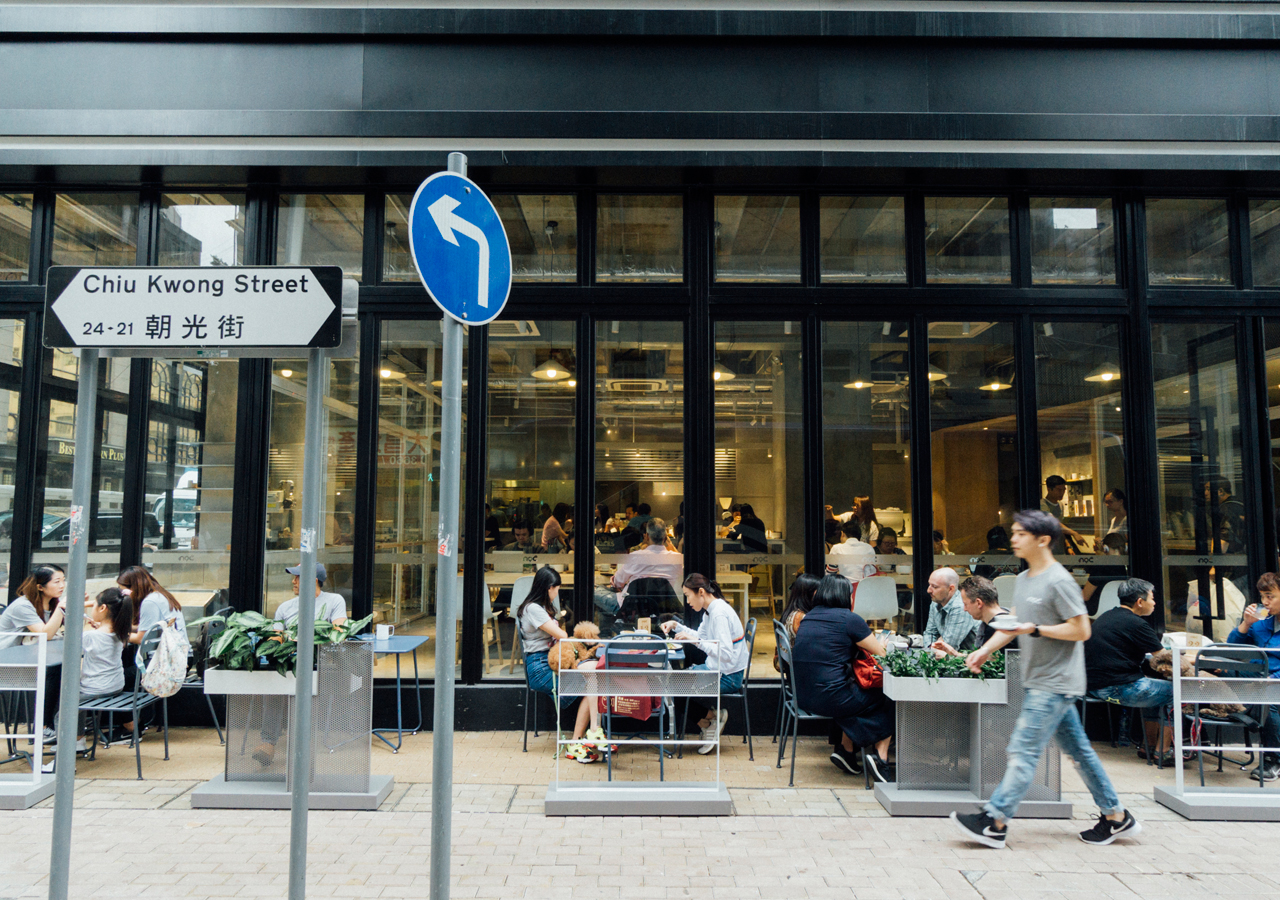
1035,632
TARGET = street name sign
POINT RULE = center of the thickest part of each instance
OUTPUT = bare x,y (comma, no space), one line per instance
195,306
460,248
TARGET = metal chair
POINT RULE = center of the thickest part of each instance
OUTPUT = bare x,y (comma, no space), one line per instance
1110,597
749,635
1241,662
132,702
210,630
1004,589
777,717
631,651
876,598
519,591
791,710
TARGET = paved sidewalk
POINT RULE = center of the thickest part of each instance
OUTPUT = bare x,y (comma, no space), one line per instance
825,838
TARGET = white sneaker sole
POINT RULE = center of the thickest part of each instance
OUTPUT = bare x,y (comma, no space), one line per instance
993,843
707,748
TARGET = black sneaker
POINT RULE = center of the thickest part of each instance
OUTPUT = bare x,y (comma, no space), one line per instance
1269,771
880,769
1107,831
980,827
847,760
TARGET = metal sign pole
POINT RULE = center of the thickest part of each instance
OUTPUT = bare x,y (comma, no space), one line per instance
69,697
300,740
446,592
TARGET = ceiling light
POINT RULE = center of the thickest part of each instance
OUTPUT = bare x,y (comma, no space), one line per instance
722,373
996,385
551,371
1104,373
573,382
287,373
391,373
858,384
936,374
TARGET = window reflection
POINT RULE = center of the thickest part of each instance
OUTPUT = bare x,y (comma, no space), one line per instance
1264,236
15,236
201,230
640,238
1187,242
862,239
972,408
322,230
1073,241
12,332
967,240
757,239
1203,524
533,380
543,232
95,230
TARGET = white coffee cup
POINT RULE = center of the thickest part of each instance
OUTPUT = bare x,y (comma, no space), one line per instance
382,632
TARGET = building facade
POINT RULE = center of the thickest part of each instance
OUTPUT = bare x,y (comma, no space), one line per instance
793,256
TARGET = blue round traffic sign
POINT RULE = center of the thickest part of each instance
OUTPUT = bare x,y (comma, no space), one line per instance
460,248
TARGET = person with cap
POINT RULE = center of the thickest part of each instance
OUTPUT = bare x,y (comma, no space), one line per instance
329,606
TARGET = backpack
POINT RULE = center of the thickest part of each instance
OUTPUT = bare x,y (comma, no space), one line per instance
167,668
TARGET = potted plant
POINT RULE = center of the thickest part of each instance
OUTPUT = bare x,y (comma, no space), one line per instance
925,678
257,655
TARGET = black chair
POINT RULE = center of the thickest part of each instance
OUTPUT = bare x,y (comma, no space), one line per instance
1230,661
631,651
132,702
791,710
777,717
209,632
749,635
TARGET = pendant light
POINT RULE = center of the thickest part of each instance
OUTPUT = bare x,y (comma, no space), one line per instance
1104,373
551,371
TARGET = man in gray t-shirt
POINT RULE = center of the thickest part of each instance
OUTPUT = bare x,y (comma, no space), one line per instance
1055,624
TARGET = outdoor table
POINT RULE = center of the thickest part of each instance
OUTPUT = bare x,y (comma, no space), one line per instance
26,655
398,645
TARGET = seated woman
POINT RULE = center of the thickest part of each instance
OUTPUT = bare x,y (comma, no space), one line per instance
106,631
799,602
833,637
721,638
538,628
38,607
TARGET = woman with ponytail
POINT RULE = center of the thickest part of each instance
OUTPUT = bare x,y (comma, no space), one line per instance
106,631
721,637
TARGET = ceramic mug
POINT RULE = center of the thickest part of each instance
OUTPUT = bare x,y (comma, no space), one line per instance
382,632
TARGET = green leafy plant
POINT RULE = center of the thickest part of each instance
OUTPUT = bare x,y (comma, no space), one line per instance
251,642
902,664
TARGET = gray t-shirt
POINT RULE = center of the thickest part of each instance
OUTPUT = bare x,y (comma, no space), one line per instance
102,671
17,616
1050,598
531,634
328,607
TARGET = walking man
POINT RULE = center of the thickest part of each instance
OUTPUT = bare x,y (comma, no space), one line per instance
1051,608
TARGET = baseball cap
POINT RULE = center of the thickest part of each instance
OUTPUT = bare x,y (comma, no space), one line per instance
320,572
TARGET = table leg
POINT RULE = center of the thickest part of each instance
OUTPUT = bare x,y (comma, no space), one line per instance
417,690
399,729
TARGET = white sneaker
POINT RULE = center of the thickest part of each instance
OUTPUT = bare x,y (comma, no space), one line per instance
724,717
710,734
47,768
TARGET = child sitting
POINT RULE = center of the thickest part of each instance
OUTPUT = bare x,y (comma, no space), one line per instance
106,630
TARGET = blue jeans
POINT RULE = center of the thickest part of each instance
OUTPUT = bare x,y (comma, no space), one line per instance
1045,715
542,679
729,684
1145,694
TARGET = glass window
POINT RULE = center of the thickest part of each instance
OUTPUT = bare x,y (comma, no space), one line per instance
1082,447
95,230
1187,242
1073,241
407,514
1198,445
972,409
397,259
284,476
1264,237
533,377
759,468
640,238
866,447
201,230
15,237
322,230
862,239
56,455
12,333
758,239
191,443
967,240
639,384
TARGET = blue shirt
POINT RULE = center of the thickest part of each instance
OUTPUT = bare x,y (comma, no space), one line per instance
1261,634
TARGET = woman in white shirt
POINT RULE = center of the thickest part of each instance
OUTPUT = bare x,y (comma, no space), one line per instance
106,630
37,608
151,605
721,637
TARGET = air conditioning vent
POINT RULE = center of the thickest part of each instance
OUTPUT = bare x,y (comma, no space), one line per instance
636,385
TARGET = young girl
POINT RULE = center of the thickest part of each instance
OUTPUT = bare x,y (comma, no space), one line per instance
106,629
37,608
538,628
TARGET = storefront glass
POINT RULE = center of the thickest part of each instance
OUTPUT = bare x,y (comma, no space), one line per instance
284,477
967,240
321,230
757,239
1073,241
201,230
533,380
1187,242
759,457
862,239
866,446
639,238
12,334
1264,237
639,428
191,440
972,418
95,230
407,514
15,236
1203,525
1082,443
